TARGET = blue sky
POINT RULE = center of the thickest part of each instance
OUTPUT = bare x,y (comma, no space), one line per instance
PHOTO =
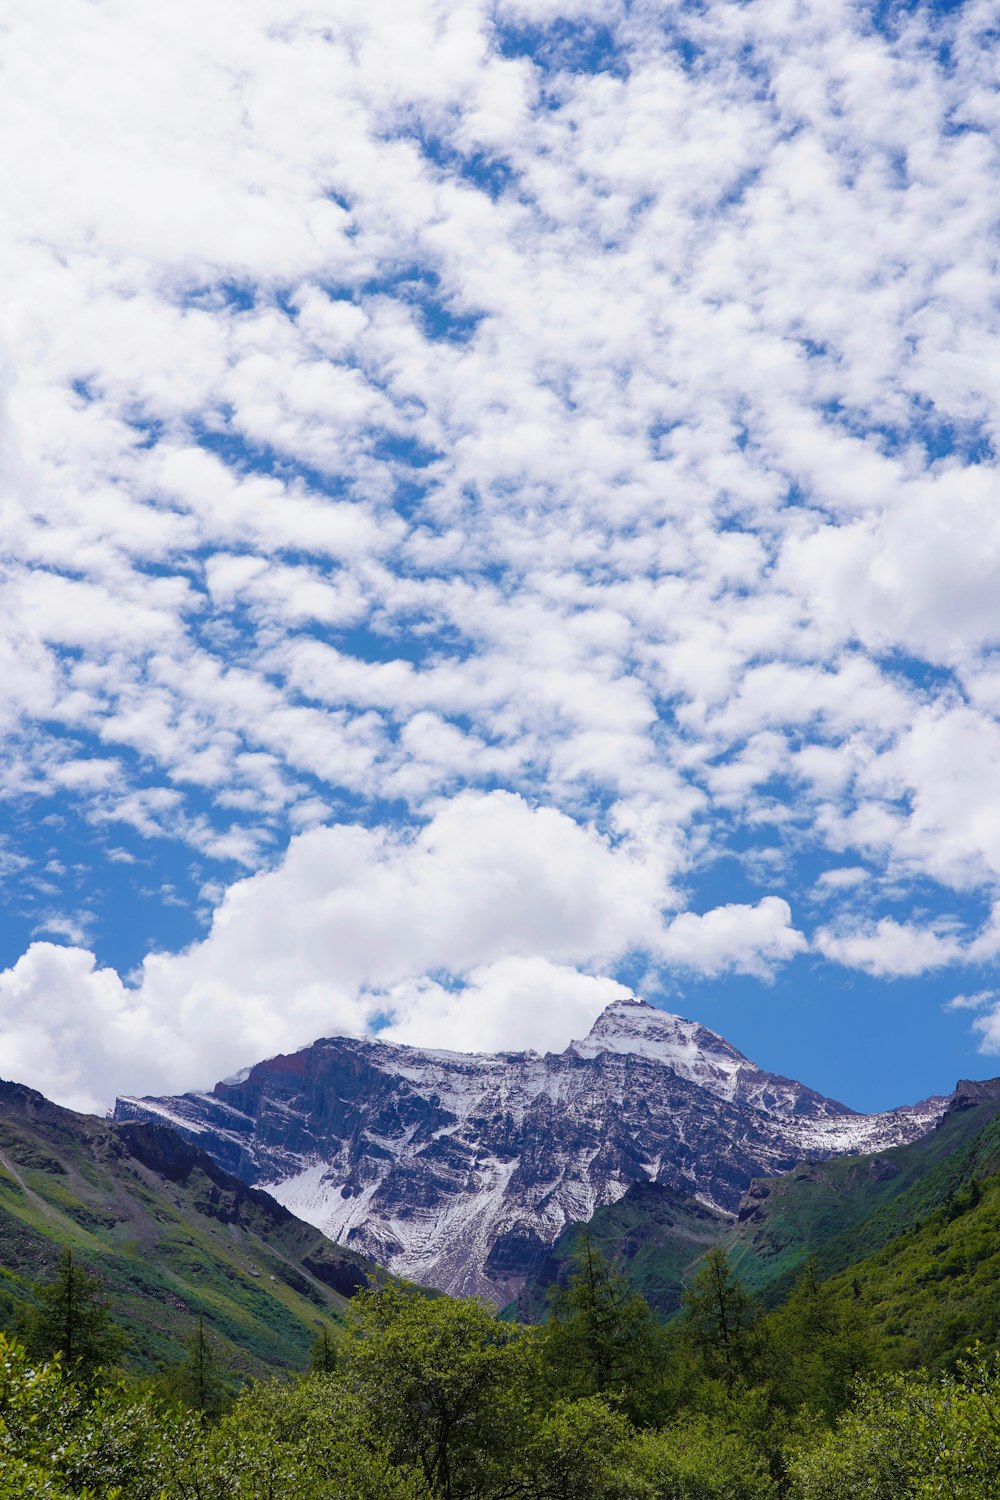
500,511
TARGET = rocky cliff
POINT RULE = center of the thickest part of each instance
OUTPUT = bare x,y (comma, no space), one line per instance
460,1170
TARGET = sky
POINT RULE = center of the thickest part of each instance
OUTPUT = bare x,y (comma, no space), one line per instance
499,513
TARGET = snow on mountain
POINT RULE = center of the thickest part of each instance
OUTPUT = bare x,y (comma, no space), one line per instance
459,1170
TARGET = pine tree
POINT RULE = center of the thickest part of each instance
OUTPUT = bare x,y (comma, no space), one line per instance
323,1356
602,1338
199,1380
821,1343
71,1318
720,1322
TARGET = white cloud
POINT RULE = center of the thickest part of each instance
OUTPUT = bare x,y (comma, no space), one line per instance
73,929
488,878
686,527
511,1005
977,1001
515,903
69,1027
744,939
888,948
846,878
987,1027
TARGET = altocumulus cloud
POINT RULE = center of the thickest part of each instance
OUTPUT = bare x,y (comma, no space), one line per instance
467,471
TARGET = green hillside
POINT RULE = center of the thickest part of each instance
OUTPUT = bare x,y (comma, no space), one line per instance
846,1213
172,1237
654,1234
841,1210
935,1290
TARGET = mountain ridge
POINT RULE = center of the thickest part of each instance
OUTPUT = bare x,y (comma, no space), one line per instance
836,1212
169,1233
460,1170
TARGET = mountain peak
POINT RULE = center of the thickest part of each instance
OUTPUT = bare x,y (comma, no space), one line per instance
689,1049
459,1170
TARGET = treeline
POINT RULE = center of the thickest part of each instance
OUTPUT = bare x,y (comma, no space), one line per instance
420,1398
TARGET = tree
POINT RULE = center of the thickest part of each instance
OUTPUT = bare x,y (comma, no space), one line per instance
442,1383
199,1381
579,1450
303,1440
64,1441
910,1438
323,1355
720,1323
698,1459
602,1338
71,1318
821,1344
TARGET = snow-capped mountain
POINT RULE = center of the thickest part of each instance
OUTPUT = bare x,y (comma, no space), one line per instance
459,1170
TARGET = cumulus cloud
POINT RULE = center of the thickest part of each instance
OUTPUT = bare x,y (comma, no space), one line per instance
359,927
68,1027
890,949
745,939
487,878
514,1004
402,409
81,1036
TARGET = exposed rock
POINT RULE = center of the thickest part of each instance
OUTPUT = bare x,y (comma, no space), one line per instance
460,1170
970,1093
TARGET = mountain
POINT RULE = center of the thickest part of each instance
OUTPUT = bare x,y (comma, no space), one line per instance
652,1233
838,1211
169,1233
460,1170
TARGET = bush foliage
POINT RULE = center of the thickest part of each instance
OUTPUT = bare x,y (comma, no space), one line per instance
438,1399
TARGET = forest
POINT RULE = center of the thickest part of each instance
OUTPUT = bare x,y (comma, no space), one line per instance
420,1397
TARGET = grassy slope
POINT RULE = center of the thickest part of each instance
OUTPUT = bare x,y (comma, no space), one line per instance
170,1235
933,1290
841,1210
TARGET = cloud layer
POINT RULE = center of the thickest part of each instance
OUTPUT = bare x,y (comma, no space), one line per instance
471,932
466,473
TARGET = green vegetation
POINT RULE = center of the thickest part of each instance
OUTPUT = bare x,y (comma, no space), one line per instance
602,1339
439,1399
170,1237
834,1212
910,1436
71,1319
849,1207
851,1378
933,1289
199,1382
652,1234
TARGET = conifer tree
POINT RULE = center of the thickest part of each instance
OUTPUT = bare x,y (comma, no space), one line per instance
821,1344
323,1356
602,1339
720,1322
199,1380
71,1318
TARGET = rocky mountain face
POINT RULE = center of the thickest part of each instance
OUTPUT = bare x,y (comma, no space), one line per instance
460,1170
837,1212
